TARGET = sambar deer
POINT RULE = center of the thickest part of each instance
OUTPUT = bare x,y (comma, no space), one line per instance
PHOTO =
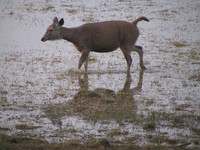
99,37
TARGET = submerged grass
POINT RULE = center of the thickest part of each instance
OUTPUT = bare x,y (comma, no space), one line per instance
195,77
26,127
151,122
19,143
179,44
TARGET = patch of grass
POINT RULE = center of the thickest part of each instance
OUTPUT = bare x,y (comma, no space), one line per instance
95,115
71,142
72,11
95,143
4,129
163,139
151,121
195,77
48,8
149,102
198,118
179,44
88,19
181,107
195,130
116,132
56,60
92,58
119,117
2,91
38,59
149,126
26,127
194,54
62,76
71,130
64,5
3,100
60,91
178,120
24,143
19,143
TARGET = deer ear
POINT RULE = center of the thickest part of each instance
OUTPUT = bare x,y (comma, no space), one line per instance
55,20
61,22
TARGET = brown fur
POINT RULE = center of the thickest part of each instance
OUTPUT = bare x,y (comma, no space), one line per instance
99,37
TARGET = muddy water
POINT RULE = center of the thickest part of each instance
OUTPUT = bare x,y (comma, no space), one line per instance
41,88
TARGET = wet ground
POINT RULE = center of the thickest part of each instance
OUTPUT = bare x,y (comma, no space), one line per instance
43,94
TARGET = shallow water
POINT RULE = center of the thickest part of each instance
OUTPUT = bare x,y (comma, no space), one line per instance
41,86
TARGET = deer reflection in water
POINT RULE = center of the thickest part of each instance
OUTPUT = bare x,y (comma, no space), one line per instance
99,104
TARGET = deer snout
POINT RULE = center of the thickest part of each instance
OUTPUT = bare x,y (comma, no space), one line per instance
43,40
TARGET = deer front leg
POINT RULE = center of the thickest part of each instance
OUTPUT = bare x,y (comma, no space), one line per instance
86,63
83,57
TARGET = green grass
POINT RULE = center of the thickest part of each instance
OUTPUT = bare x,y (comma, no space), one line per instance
26,127
23,143
151,121
179,44
150,126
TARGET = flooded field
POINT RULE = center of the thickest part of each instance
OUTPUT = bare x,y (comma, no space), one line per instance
44,96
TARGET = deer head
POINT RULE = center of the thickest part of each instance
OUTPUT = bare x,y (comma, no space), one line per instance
53,31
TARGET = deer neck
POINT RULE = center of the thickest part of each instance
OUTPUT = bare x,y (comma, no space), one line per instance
68,34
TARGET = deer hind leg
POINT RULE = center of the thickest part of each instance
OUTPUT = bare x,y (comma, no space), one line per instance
139,50
83,58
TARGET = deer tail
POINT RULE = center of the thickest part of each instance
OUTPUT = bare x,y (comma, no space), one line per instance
140,19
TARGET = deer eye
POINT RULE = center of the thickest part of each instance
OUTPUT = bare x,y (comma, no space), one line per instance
50,30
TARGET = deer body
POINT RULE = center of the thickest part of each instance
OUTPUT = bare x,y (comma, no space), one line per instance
99,37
